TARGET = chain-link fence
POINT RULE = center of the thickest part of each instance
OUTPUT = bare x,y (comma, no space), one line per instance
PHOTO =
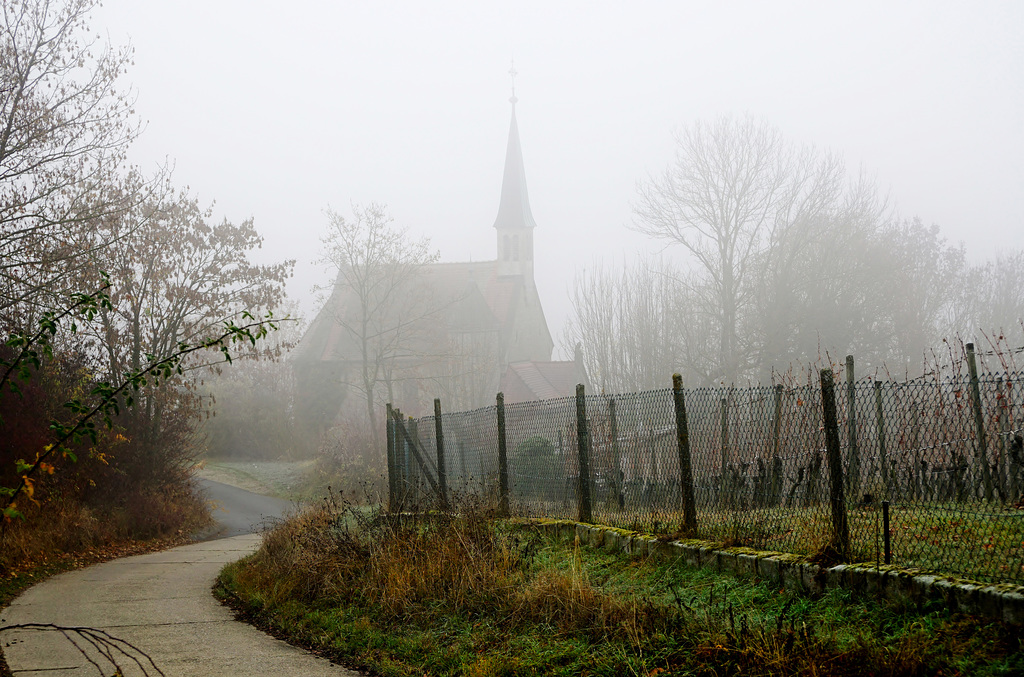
926,474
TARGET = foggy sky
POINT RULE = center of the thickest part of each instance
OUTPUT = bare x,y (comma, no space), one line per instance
277,111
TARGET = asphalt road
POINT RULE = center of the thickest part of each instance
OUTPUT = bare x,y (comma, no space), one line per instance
238,512
160,603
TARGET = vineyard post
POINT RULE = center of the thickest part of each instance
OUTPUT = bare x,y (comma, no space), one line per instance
840,526
853,466
689,527
502,457
583,444
979,424
442,470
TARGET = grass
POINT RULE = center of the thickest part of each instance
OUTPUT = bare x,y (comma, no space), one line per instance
282,479
981,542
471,596
296,480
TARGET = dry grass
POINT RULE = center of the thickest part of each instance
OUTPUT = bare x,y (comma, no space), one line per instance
437,594
64,526
463,564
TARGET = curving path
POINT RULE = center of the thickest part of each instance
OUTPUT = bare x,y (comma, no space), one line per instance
162,604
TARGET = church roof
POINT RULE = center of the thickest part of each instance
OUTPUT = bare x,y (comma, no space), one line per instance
471,295
529,381
514,208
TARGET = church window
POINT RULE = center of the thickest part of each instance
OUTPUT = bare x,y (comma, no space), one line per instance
515,247
505,250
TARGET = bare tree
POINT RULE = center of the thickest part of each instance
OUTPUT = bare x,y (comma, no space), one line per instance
638,324
823,281
64,128
383,313
930,275
990,298
734,186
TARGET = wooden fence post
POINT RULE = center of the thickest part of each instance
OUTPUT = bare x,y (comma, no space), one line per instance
412,448
390,435
979,424
853,465
617,476
442,470
840,527
883,457
503,507
583,443
689,526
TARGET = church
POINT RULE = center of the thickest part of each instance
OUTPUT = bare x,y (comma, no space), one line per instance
486,331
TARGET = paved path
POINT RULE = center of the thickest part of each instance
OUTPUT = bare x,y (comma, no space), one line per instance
162,604
238,511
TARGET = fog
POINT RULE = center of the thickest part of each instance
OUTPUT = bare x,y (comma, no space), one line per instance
277,112
731,198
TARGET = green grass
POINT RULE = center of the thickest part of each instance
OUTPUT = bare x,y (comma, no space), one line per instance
981,542
282,479
449,597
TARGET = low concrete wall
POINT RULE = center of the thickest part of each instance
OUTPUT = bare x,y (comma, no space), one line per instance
794,573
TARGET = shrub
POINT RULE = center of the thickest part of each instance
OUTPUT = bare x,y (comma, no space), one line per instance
536,469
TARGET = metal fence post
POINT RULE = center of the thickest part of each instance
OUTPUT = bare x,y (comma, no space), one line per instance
390,435
502,457
840,526
689,526
442,471
583,443
853,465
979,424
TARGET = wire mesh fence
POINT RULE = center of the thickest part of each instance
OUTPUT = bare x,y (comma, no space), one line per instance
926,474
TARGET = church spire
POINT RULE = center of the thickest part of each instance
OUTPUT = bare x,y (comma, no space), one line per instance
514,208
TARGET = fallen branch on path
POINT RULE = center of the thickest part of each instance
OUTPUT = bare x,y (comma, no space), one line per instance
97,646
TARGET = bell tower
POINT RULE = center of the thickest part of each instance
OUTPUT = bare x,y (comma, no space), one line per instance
514,224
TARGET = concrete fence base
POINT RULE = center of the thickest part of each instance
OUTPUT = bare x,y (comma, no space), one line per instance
794,573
